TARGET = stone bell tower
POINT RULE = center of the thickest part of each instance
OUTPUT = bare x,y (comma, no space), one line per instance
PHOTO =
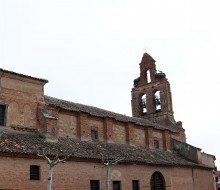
151,95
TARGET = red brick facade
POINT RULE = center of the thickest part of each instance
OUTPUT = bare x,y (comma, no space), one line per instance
77,175
149,142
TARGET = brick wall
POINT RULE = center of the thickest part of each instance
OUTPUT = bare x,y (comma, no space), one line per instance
67,124
77,175
24,98
21,97
97,124
157,135
119,133
179,136
203,179
109,130
181,178
139,136
208,160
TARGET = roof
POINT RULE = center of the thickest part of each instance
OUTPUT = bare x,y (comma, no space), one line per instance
31,143
22,75
71,106
146,55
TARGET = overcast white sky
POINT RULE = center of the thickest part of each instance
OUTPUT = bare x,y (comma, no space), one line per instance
90,51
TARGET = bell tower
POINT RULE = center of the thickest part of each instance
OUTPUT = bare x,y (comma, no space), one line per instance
151,95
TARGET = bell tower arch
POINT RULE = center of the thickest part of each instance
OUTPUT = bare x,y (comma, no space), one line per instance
151,94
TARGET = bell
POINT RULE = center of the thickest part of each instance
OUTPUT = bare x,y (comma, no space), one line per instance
157,101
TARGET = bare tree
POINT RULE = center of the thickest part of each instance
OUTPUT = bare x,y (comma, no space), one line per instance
53,162
107,164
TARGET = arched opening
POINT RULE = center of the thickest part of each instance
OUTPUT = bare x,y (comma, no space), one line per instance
144,104
148,76
157,102
157,181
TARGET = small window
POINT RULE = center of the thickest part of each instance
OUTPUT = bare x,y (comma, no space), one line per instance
2,115
135,184
156,144
116,185
34,172
94,134
94,184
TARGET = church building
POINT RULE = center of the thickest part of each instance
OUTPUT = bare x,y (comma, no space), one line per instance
102,149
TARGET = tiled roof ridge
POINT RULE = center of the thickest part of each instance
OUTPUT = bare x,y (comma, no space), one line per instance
16,130
26,129
79,104
31,143
23,75
95,111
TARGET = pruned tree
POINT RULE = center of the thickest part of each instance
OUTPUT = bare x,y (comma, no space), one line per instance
107,163
53,161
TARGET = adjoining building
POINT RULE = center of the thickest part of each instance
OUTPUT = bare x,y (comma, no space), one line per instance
217,179
150,145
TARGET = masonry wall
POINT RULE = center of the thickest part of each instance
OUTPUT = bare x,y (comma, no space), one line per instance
157,135
203,179
208,160
97,124
181,178
67,124
180,136
21,97
139,136
24,99
77,175
77,125
119,132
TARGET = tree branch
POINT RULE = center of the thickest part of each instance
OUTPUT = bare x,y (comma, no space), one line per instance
44,156
117,160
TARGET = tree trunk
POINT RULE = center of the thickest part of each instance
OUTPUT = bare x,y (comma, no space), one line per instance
107,176
50,175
